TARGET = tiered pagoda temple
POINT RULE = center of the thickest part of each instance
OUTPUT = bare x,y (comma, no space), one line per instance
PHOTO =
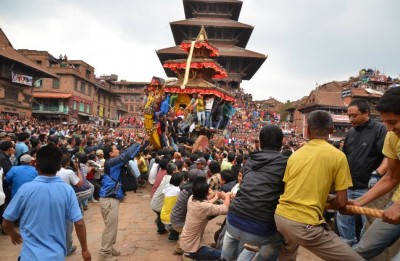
230,37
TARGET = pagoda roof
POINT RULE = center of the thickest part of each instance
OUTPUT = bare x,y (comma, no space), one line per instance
220,22
198,85
197,63
201,42
234,11
224,51
182,30
252,61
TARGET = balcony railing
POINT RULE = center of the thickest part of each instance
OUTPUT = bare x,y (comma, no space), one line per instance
50,109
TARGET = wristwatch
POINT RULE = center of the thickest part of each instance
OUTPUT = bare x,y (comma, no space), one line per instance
376,172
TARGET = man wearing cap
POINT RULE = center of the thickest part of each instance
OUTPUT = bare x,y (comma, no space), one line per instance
201,165
19,175
4,136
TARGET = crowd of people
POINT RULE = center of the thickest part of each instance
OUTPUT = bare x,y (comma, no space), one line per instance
273,188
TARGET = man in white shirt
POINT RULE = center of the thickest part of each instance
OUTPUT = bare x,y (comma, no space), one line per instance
209,104
69,177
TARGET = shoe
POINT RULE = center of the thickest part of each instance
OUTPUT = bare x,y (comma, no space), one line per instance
94,201
177,250
107,257
162,231
176,253
115,252
85,207
73,249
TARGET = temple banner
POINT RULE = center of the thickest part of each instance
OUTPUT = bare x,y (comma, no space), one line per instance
21,79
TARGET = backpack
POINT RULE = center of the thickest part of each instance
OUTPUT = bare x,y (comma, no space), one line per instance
128,179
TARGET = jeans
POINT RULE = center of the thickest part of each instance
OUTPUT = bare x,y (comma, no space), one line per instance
172,142
234,240
219,121
346,224
185,126
83,198
85,202
201,117
164,141
377,238
205,253
208,120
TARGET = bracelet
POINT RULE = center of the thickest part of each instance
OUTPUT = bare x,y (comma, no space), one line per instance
359,200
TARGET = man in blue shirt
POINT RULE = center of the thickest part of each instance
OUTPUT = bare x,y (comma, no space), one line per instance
19,175
111,194
43,207
21,147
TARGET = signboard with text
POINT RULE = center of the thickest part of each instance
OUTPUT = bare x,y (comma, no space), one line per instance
21,79
340,118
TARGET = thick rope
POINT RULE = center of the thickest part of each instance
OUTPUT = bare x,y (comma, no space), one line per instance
372,212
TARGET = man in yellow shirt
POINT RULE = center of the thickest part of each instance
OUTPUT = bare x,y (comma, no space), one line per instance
201,116
310,173
384,232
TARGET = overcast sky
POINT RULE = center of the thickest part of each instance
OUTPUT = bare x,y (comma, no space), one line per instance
307,42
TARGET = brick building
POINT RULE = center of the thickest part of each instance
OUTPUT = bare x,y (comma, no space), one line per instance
17,77
75,96
130,93
335,97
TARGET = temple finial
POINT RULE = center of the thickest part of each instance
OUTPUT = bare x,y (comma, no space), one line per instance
202,35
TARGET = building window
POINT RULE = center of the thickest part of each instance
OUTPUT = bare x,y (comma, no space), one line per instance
98,97
38,83
131,109
82,107
87,108
83,87
56,83
89,90
76,85
11,94
6,69
87,74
